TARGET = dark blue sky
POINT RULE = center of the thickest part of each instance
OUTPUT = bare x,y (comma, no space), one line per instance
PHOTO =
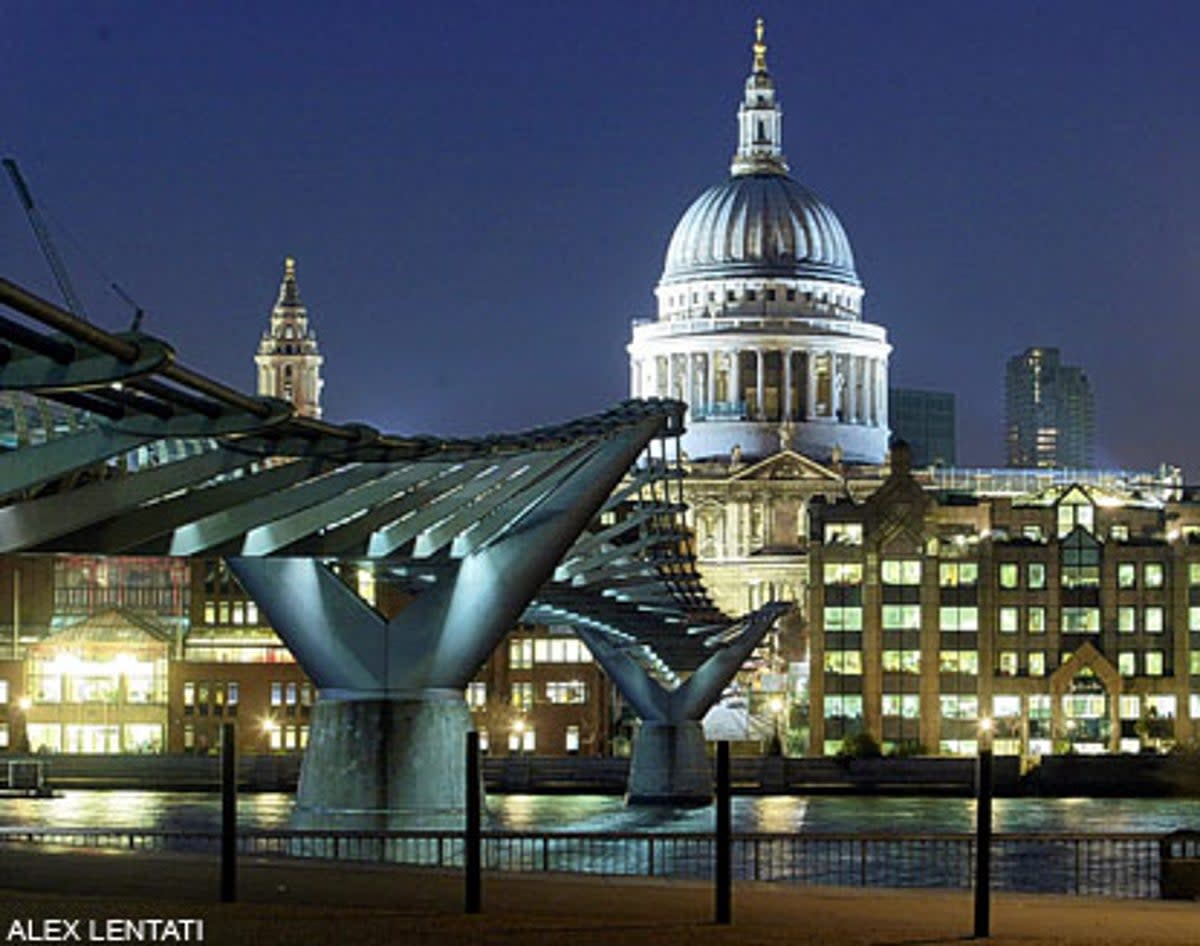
479,195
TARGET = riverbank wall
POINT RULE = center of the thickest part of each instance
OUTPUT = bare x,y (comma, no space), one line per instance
1056,776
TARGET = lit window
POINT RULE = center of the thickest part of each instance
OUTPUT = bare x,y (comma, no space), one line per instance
1129,707
901,661
1009,618
1194,619
1126,619
1194,662
1160,706
955,574
1037,663
1081,620
1154,620
902,705
291,695
1154,663
958,619
843,706
223,612
1194,705
959,706
901,617
843,661
232,692
843,573
838,618
1006,707
1153,574
276,693
3,691
210,612
1037,575
1008,663
529,740
1037,620
1127,663
239,612
901,571
568,691
959,661
521,695
572,739
1126,575
476,694
189,737
251,612
1194,573
1009,575
520,653
843,533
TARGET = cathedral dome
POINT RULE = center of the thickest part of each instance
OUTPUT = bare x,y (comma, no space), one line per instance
761,224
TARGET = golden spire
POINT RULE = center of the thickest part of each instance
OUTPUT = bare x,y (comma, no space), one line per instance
289,268
760,48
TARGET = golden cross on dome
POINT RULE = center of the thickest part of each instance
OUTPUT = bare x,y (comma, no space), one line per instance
760,48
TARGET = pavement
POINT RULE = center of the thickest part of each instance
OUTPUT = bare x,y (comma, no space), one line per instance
322,904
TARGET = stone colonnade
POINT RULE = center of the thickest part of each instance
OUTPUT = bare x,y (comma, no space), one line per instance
769,384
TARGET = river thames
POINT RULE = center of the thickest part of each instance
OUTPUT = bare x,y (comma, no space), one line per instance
777,814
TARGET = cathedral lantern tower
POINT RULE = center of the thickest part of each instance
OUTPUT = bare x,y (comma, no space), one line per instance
760,326
289,363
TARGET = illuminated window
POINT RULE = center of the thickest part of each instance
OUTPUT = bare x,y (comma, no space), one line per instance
1129,707
843,573
189,695
291,695
1037,620
1080,620
838,618
843,661
1006,707
566,691
1194,705
1194,573
521,696
901,661
1194,662
476,694
251,612
959,661
1010,575
1160,706
958,619
520,653
1009,619
1126,619
843,706
232,693
1153,574
1154,663
572,739
276,693
902,705
1126,575
1194,619
843,533
1037,663
901,617
3,691
306,694
210,612
901,571
239,612
1037,575
1080,561
1008,663
959,706
1154,620
956,574
1127,663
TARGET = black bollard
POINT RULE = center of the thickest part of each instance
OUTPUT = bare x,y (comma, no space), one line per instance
228,813
472,861
983,840
724,852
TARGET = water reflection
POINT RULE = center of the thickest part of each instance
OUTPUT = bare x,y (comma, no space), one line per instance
782,814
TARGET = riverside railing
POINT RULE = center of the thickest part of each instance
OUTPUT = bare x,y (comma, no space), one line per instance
1114,865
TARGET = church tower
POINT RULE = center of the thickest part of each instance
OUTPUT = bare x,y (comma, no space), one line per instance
289,364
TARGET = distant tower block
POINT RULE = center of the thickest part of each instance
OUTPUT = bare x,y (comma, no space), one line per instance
289,363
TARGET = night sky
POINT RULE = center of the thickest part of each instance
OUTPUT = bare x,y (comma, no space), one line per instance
479,195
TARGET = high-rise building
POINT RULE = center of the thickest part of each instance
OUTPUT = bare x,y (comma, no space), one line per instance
289,363
1050,412
925,420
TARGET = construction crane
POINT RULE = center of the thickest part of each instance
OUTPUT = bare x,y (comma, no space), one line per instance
43,237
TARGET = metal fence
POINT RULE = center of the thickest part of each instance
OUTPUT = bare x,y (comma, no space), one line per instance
1120,865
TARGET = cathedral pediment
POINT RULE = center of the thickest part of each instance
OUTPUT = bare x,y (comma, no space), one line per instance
787,465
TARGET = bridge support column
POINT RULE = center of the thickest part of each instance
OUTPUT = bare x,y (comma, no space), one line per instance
378,764
670,765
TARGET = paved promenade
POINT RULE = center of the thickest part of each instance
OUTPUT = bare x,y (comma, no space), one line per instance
311,904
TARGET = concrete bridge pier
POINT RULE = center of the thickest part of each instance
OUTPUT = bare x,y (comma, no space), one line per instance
380,764
670,765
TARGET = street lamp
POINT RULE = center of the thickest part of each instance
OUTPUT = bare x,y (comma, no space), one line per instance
983,830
